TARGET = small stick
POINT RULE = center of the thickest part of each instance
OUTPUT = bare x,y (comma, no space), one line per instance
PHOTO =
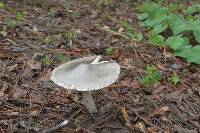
61,125
114,33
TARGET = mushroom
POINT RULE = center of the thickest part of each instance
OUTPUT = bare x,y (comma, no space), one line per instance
86,75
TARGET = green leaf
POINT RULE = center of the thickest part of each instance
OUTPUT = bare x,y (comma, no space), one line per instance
155,19
1,5
47,39
197,35
193,9
69,35
175,79
177,42
46,60
11,23
19,16
62,58
152,13
172,8
156,39
59,36
194,55
176,23
109,51
159,28
151,68
184,51
142,16
139,37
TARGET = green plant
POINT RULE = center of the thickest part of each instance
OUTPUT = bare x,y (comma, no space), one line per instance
171,8
153,76
175,79
59,37
11,23
69,36
159,19
133,35
45,60
20,16
62,58
1,5
47,40
109,51
193,9
156,39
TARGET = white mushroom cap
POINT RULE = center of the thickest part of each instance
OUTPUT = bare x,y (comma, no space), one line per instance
86,74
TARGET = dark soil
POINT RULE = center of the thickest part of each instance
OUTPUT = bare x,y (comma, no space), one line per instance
31,102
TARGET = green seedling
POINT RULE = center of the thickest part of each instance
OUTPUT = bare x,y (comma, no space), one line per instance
19,17
11,23
1,5
62,58
47,40
45,60
109,51
175,79
59,37
69,36
153,76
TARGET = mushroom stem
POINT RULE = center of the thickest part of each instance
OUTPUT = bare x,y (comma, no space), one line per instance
89,102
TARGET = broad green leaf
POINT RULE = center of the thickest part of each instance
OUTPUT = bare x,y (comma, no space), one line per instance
177,42
175,78
194,55
193,26
147,7
184,51
154,13
157,40
197,35
176,23
160,28
155,19
142,16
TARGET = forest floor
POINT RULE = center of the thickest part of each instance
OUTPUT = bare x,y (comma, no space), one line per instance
33,42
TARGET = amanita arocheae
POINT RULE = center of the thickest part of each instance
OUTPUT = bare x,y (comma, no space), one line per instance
86,75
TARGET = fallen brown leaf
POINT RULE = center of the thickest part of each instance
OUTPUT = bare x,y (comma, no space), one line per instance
130,84
35,65
162,110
